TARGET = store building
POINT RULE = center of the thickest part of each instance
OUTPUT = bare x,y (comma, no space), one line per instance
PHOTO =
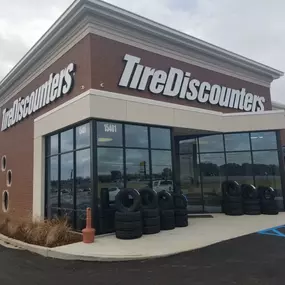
108,99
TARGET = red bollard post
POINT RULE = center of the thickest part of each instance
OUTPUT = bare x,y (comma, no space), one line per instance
88,232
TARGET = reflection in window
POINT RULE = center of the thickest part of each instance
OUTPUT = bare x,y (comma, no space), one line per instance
266,169
109,134
83,186
110,170
136,136
66,141
188,146
212,143
137,167
160,138
236,142
162,170
52,185
239,167
263,140
82,136
212,168
66,181
53,145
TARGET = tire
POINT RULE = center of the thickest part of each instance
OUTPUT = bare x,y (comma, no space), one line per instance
150,213
181,223
266,193
269,205
235,212
122,196
167,221
129,234
180,219
230,199
129,226
231,189
251,202
251,208
151,222
151,230
271,212
128,217
252,212
167,213
149,198
179,201
169,225
181,212
232,206
165,200
249,192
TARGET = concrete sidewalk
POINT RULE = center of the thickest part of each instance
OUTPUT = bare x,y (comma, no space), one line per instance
201,232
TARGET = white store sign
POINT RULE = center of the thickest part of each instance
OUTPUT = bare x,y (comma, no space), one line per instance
57,85
177,83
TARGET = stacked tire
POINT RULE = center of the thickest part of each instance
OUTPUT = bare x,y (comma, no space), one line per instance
251,201
128,217
167,216
267,200
180,210
232,198
150,211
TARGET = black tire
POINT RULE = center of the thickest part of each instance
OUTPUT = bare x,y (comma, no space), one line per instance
123,195
181,223
129,234
129,226
151,230
149,198
181,212
271,212
179,201
232,206
231,189
128,217
230,199
167,213
252,212
170,225
251,202
269,205
179,219
151,222
164,221
150,213
251,208
165,200
234,212
266,193
249,192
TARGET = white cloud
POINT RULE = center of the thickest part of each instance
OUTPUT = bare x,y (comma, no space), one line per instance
253,28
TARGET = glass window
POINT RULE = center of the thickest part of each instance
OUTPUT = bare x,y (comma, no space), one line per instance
266,169
136,136
109,134
161,169
212,166
83,186
52,186
263,140
66,181
188,146
53,145
83,136
160,138
137,167
66,141
110,170
212,143
239,167
236,142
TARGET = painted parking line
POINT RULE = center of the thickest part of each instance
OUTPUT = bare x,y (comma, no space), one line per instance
273,231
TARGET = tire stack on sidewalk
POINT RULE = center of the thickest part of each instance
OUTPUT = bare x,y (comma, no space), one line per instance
232,198
267,200
128,218
150,211
251,201
167,217
180,210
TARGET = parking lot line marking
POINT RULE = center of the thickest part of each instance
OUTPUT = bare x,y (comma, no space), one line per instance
273,231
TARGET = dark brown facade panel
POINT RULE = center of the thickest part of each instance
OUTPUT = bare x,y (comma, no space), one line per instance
16,142
108,65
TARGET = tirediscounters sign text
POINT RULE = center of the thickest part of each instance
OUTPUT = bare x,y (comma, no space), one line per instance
177,83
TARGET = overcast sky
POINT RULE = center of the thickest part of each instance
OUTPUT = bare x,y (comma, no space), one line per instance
252,28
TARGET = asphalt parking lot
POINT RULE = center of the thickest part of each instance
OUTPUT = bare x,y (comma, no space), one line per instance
253,259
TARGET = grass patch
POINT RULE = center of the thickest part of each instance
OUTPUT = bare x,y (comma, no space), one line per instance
48,233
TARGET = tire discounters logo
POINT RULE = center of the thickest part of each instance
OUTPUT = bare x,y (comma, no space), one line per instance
177,83
58,84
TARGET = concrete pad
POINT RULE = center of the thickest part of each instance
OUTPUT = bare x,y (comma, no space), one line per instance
201,232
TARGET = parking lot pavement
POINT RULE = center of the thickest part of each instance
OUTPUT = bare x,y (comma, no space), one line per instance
254,259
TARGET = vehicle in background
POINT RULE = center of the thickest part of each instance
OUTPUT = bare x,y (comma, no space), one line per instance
160,185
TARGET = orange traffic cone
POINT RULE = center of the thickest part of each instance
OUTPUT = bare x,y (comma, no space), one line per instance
88,232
